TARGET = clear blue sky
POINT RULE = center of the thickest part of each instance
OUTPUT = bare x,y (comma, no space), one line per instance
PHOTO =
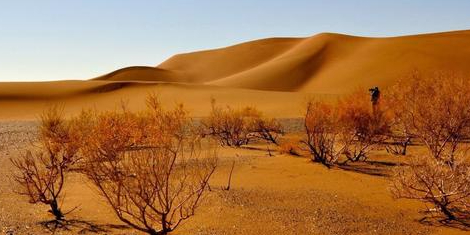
65,39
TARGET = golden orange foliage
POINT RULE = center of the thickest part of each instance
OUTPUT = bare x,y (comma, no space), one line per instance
148,166
321,126
435,111
361,125
351,127
41,175
237,127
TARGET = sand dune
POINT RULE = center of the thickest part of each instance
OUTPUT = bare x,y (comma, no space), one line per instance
275,74
140,73
325,63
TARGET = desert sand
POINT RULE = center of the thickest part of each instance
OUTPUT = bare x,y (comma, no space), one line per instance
279,194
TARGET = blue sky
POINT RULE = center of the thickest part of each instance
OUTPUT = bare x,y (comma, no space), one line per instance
66,39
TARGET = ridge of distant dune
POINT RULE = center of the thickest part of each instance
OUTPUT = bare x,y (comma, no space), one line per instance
139,73
325,63
210,65
277,75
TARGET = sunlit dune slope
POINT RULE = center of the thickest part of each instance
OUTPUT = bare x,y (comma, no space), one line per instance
324,63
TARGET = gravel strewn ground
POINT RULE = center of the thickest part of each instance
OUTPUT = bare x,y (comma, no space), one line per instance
270,195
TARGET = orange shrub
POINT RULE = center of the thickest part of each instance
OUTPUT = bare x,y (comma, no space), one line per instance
237,127
148,166
321,126
435,182
41,175
351,127
435,111
361,126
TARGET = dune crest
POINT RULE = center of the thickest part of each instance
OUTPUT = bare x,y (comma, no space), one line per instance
326,63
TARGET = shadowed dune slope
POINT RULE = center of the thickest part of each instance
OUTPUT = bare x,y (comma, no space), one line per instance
325,63
28,100
140,73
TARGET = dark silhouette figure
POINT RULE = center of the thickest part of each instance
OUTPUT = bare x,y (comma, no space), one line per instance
374,95
375,99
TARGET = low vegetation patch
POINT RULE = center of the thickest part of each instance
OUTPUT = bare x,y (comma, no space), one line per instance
238,127
435,111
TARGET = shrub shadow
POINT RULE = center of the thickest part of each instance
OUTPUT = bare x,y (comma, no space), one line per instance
80,226
439,221
375,168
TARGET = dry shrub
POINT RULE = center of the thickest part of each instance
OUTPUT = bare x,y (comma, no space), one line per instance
351,127
436,110
400,135
229,126
361,125
321,126
268,129
109,132
434,182
147,166
398,144
237,127
41,175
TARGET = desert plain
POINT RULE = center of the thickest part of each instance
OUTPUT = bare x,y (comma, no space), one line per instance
272,192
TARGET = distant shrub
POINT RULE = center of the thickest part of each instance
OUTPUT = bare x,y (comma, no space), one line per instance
237,127
268,129
361,125
400,135
351,127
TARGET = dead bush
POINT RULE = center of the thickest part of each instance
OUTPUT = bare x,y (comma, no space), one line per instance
237,127
148,166
397,144
400,135
41,175
435,108
321,126
361,126
268,129
351,127
432,181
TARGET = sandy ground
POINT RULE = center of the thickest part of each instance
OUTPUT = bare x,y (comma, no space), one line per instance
277,194
75,96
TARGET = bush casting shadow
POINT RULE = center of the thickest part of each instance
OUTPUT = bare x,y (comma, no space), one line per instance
80,226
440,221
